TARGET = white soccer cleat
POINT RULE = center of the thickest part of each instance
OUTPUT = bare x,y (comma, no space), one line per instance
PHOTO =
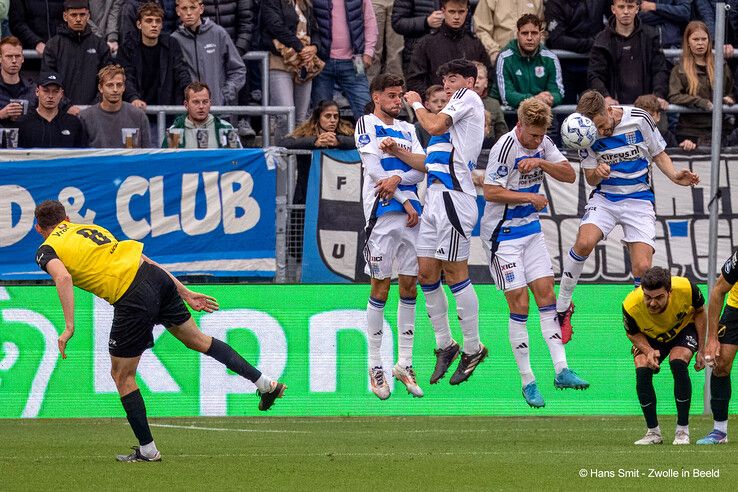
406,375
379,384
651,437
681,437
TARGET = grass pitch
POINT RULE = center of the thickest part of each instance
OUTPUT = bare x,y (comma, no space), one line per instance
361,453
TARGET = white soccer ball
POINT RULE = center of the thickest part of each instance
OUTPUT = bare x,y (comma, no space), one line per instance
578,132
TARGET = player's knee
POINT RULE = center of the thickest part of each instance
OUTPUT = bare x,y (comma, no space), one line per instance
121,377
427,278
721,370
640,265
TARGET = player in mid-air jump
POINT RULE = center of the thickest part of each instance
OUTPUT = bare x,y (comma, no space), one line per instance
142,294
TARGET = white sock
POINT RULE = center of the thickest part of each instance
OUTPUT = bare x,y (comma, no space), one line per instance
437,306
374,330
405,330
519,343
149,450
552,334
467,307
721,426
684,428
264,384
573,266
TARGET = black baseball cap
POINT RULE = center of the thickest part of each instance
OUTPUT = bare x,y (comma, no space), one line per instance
50,78
76,4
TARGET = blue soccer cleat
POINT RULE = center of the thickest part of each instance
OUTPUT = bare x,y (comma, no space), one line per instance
532,396
714,437
569,379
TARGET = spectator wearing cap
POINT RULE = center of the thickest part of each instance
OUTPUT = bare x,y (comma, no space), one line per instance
76,53
108,123
12,86
34,22
47,126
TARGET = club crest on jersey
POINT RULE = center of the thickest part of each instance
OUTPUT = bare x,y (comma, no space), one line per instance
540,71
630,138
502,171
363,139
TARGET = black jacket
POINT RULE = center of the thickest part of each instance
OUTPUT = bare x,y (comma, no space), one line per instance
77,57
603,73
237,17
173,72
440,47
278,20
409,20
35,21
573,24
64,131
129,16
25,90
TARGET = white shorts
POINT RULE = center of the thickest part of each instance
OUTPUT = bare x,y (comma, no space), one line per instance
637,217
446,225
391,243
518,262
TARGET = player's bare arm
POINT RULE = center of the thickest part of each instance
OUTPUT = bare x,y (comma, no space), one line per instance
197,301
683,177
560,171
65,289
641,343
416,161
714,309
500,194
596,175
700,323
435,124
412,214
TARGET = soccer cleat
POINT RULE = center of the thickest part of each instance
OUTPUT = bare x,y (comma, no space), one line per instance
651,437
714,437
569,379
467,364
136,456
532,396
267,399
565,322
681,437
406,375
444,358
378,383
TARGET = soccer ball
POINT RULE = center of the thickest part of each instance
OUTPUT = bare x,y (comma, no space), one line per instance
578,131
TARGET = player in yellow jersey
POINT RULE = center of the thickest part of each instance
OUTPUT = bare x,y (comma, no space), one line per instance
722,344
143,294
665,317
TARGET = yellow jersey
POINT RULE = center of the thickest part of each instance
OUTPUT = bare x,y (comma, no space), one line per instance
685,298
97,262
730,274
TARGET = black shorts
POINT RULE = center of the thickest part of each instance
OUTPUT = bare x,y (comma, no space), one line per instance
686,338
728,329
151,299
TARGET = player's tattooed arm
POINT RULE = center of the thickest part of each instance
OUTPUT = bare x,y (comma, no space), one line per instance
683,177
500,194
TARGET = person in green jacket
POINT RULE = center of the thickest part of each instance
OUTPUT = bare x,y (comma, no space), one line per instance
525,68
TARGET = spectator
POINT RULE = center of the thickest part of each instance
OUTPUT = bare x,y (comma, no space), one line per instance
76,53
435,100
4,24
47,126
622,77
129,17
448,43
237,17
668,17
497,125
650,103
104,14
572,26
413,19
155,71
347,32
527,69
12,86
35,22
704,10
691,84
209,52
388,52
495,20
289,33
220,133
113,123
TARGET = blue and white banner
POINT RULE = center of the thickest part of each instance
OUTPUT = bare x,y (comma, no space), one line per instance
196,211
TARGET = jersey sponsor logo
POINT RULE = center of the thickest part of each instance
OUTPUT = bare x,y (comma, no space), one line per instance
376,258
508,266
502,171
540,71
364,139
615,157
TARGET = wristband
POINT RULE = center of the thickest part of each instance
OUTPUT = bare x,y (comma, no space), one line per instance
417,106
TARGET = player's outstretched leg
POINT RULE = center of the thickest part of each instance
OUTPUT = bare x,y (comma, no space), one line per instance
720,391
647,399
683,398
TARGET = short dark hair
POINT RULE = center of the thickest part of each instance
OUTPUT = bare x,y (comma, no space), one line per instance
459,66
195,86
384,81
656,277
444,2
530,19
150,9
628,1
50,213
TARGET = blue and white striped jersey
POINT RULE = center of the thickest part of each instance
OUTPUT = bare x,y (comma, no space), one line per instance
453,156
504,221
369,134
629,152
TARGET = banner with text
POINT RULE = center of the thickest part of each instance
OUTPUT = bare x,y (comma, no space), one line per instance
197,211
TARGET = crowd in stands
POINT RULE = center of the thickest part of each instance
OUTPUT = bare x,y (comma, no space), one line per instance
117,57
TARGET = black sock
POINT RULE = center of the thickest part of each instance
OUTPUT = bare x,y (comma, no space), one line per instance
223,353
682,390
133,404
647,395
719,397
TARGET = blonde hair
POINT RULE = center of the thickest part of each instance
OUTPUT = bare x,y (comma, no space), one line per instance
110,71
533,112
688,61
591,104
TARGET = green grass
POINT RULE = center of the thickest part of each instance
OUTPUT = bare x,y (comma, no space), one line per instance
356,453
